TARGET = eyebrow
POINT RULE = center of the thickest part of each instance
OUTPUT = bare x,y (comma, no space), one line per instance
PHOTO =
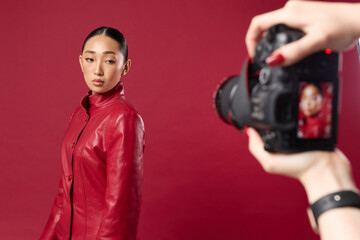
106,52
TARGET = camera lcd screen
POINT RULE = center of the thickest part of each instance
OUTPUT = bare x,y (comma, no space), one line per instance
315,108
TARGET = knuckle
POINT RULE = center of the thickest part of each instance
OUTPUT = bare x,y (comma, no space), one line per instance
268,167
291,4
254,21
292,7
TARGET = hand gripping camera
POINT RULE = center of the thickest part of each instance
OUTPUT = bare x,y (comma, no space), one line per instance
293,108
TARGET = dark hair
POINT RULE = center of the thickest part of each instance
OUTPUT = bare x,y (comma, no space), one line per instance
318,86
112,33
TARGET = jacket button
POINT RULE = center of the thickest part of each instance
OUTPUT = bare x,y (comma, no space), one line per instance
73,145
69,178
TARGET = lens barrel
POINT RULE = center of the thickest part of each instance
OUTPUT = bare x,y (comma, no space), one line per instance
222,98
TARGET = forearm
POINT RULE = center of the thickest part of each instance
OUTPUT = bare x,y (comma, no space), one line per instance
121,214
331,176
340,223
124,179
50,228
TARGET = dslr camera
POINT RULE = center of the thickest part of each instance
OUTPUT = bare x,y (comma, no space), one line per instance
294,108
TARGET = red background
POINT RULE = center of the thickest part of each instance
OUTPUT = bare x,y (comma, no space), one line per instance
200,182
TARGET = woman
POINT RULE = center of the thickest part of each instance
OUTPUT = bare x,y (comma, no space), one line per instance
100,189
326,176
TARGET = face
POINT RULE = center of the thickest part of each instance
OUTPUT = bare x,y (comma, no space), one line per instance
311,100
102,64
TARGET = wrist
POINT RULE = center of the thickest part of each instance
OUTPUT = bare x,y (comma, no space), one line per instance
333,201
331,173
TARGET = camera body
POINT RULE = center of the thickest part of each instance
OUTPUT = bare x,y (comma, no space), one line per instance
294,108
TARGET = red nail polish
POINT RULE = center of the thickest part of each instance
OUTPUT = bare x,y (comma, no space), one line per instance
251,59
274,60
246,131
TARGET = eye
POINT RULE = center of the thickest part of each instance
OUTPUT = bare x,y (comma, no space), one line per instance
110,61
89,59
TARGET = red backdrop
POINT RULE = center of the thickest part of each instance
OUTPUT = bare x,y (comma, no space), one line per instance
200,182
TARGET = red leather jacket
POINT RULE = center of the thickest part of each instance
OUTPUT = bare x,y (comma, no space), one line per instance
100,190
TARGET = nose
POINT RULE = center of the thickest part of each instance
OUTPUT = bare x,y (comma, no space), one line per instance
99,69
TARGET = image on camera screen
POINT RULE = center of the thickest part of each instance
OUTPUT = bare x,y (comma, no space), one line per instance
315,110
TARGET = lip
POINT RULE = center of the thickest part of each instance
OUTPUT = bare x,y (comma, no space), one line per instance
97,82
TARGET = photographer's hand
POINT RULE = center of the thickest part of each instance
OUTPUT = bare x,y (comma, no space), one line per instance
326,25
320,173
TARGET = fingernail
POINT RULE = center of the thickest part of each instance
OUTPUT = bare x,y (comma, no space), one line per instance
275,59
246,131
251,59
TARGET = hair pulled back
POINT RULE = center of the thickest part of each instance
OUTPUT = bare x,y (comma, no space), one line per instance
112,33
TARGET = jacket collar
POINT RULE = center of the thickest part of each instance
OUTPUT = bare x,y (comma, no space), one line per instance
92,102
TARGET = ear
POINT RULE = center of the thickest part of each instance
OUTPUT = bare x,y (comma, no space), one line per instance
80,61
126,67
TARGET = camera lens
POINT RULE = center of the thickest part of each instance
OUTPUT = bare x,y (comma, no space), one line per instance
222,97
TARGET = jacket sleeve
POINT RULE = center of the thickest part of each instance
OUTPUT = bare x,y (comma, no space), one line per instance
124,178
49,231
